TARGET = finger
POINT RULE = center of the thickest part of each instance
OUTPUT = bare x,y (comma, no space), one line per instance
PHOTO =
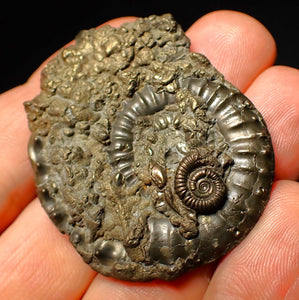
275,93
189,286
38,262
266,264
16,176
236,44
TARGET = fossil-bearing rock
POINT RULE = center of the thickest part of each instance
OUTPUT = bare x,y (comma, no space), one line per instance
144,154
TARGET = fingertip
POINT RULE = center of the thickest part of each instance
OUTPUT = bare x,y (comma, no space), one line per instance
119,21
238,45
275,93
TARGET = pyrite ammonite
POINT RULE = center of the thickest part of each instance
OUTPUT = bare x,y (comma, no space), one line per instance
144,154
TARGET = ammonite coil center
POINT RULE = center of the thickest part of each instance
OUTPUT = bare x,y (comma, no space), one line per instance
199,187
203,183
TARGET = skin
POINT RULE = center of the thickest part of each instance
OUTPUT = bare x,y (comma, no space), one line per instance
38,262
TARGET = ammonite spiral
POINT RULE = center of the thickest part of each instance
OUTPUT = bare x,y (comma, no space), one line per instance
144,154
199,186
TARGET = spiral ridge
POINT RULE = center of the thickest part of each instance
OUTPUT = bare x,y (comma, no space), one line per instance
199,186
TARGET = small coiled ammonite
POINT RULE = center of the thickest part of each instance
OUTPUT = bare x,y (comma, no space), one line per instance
199,187
144,154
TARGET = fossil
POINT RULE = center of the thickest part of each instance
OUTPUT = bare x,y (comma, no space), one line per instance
198,185
144,154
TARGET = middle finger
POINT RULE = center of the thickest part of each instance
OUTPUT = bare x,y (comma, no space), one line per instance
238,45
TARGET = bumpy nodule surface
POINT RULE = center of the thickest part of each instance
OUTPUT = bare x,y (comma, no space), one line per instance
144,155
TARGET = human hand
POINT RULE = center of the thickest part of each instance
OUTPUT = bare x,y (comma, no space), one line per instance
38,262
